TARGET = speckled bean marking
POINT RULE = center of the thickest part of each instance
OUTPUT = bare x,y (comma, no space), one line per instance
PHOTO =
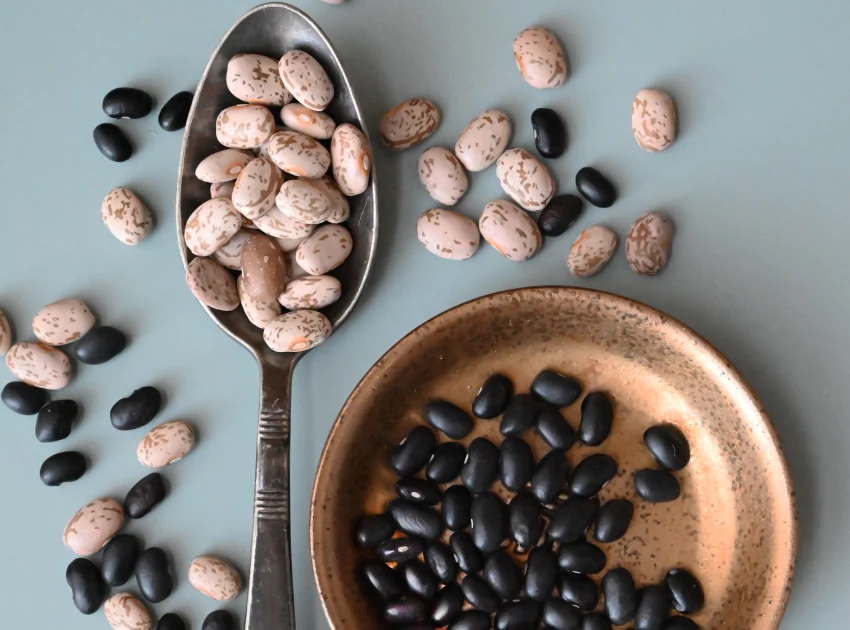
351,159
525,179
215,578
125,612
39,365
93,526
222,166
510,231
256,187
212,284
276,224
648,243
165,444
311,292
255,79
62,322
325,250
244,126
263,149
299,199
484,140
409,124
222,190
654,120
211,225
540,58
261,313
443,175
299,155
304,120
263,269
230,254
297,331
5,334
448,234
306,79
126,216
591,251
340,208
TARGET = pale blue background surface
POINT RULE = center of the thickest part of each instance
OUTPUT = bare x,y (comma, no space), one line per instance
757,186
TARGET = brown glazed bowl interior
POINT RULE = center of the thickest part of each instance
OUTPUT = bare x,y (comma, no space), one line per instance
735,523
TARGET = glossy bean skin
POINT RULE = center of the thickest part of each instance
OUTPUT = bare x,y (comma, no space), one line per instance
375,529
556,389
55,420
144,496
519,416
23,398
153,575
657,486
418,490
62,468
516,463
400,549
653,607
119,559
560,215
479,594
549,476
419,579
579,590
613,521
447,462
447,605
493,397
448,418
175,112
385,583
518,615
550,133
595,621
591,474
88,590
489,518
502,575
597,416
572,518
414,451
688,597
668,445
219,620
441,561
112,142
541,573
137,409
125,102
171,621
621,597
595,187
524,522
471,620
581,557
406,610
468,556
482,465
456,508
99,345
554,429
560,615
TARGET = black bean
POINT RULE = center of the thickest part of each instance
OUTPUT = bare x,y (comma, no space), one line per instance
418,490
482,465
592,473
680,623
520,615
125,102
100,345
23,398
554,429
597,415
87,588
112,142
541,573
406,610
416,520
62,468
446,464
560,215
657,486
613,521
549,476
448,604
413,452
456,507
595,187
524,523
519,415
144,496
471,620
686,591
448,418
595,621
171,621
441,561
621,596
581,557
467,555
153,575
550,133
419,579
400,549
668,445
489,518
119,559
375,529
219,620
493,397
556,389
55,420
479,594
580,591
174,113
572,518
385,583
560,615
516,463
653,608
503,576
137,409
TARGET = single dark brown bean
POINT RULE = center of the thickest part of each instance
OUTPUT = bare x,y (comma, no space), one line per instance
400,549
572,518
456,507
556,389
595,187
597,416
175,112
448,418
550,132
119,559
384,582
489,519
668,445
55,420
502,575
137,409
467,555
519,615
482,465
416,520
479,594
653,608
541,573
516,463
413,452
686,591
219,620
613,521
62,468
560,215
153,575
99,345
375,529
126,102
418,490
581,557
549,476
112,142
560,615
579,590
554,429
493,397
87,587
447,462
524,522
441,561
23,398
591,474
144,496
621,597
657,486
448,604
520,415
419,579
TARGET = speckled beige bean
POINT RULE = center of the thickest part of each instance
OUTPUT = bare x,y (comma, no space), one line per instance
261,313
340,208
297,331
256,187
222,166
540,58
525,179
311,292
224,190
62,322
591,251
126,216
299,155
409,124
648,243
263,269
484,140
448,234
352,160
5,334
276,224
212,284
166,444
654,120
304,120
39,365
443,175
289,244
510,231
325,250
293,269
93,526
299,199
210,226
125,612
255,79
263,149
244,126
215,578
230,254
306,79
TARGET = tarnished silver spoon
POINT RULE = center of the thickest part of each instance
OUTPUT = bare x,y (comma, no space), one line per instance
273,29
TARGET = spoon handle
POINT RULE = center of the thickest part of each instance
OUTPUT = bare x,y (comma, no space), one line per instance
271,600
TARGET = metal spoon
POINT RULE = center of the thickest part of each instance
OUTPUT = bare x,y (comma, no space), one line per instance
272,29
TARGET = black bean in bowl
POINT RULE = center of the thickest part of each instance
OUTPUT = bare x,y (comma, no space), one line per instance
657,486
686,591
375,529
383,582
613,521
516,463
413,452
493,397
447,462
447,605
668,445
